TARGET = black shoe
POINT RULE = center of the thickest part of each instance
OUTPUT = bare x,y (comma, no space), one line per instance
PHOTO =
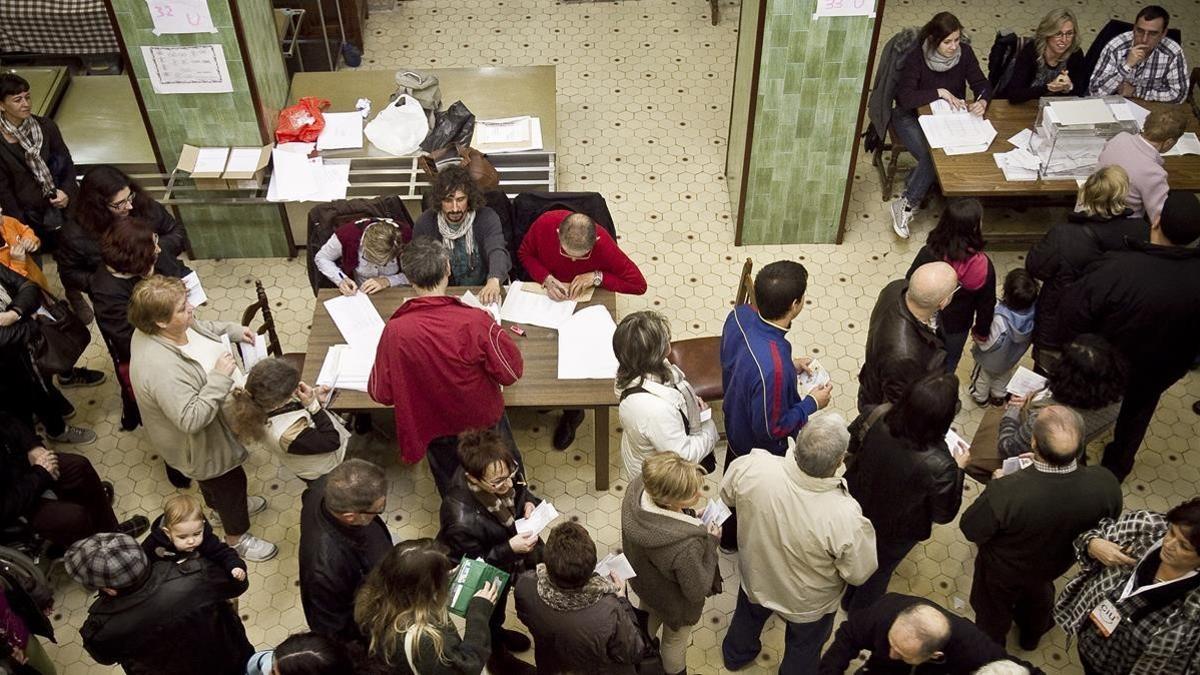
1028,643
109,493
564,433
1196,407
177,479
81,377
362,423
134,527
514,641
131,421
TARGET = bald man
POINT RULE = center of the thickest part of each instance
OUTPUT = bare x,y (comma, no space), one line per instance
1025,523
904,326
903,631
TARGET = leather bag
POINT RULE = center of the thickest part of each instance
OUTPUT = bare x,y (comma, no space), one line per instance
60,339
482,171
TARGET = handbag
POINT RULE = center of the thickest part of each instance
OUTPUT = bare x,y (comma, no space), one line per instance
421,86
60,339
650,661
451,127
482,171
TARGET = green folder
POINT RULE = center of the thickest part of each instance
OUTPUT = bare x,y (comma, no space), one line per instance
472,574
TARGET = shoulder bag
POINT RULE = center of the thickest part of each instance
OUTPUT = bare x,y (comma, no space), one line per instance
60,339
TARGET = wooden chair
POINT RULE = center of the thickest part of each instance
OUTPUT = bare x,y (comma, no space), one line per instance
887,169
700,358
715,11
296,359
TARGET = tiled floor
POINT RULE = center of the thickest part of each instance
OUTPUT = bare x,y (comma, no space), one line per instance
643,95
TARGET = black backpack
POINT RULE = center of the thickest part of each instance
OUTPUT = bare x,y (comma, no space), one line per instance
1001,59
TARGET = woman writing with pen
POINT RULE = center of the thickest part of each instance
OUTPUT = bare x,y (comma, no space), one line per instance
363,256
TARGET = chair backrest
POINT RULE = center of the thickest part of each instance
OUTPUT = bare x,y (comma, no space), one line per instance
324,219
497,201
745,288
529,205
1193,82
1113,28
267,328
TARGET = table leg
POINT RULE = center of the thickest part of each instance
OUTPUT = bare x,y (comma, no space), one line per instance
601,458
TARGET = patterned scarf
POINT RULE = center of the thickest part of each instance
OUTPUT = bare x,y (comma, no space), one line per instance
5,298
450,232
572,600
501,506
29,135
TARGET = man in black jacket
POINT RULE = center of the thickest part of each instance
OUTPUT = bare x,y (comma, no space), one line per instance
904,325
1146,301
160,619
1025,525
906,634
342,538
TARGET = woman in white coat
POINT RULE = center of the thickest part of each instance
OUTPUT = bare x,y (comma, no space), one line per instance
660,412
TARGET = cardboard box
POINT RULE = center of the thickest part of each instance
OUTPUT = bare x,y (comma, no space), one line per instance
225,168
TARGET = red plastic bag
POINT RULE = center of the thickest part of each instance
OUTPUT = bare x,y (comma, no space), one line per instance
301,122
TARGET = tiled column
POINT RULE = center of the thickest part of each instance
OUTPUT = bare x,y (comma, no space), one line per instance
793,133
244,117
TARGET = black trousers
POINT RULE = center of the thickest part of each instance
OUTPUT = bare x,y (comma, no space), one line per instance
999,601
1137,409
729,527
81,508
442,454
226,494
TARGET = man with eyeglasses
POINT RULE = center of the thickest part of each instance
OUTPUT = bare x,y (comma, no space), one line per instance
342,538
567,254
1143,63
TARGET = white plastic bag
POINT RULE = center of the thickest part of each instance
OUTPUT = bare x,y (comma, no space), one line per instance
399,127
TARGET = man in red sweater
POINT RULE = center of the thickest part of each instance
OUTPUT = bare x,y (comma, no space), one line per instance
566,253
441,364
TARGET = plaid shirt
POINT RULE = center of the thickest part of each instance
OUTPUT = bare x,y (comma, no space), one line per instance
1165,640
1161,76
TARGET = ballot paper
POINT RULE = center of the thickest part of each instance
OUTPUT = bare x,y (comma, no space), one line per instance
297,178
1188,144
585,350
522,306
955,443
715,513
253,353
509,134
472,300
342,130
1018,165
618,564
543,515
806,383
1023,138
1082,111
1128,110
195,292
961,130
347,367
211,160
706,414
357,319
1025,382
243,160
1015,464
585,296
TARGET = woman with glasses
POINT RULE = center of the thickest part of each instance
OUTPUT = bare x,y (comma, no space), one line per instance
478,518
108,196
1051,64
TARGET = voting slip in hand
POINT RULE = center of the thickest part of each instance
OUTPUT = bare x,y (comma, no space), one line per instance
1025,382
715,513
818,378
618,564
955,443
542,516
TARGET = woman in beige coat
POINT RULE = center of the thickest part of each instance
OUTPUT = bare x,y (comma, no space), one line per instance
181,374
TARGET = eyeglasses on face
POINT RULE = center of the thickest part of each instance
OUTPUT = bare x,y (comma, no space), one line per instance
501,481
120,204
1064,35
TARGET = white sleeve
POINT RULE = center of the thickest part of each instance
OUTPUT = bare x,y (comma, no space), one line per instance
665,431
326,260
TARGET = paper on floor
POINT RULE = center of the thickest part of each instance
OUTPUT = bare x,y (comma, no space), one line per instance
585,350
542,515
357,319
522,306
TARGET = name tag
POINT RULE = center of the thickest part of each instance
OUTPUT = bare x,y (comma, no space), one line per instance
1106,617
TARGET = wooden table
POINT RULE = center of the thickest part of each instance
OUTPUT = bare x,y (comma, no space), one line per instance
976,175
539,386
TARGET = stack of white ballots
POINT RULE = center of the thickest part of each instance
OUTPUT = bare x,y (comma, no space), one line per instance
349,366
957,132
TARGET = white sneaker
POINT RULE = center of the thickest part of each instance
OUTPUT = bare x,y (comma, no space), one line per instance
254,505
253,549
902,214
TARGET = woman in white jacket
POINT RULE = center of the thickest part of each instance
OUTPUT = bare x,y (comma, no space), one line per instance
660,412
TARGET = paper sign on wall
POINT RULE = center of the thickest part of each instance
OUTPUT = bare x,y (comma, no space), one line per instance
199,69
844,8
180,16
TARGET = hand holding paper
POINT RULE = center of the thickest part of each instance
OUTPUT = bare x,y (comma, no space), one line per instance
542,516
715,512
615,564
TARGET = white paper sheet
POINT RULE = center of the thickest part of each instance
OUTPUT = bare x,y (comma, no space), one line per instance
1022,138
969,149
211,160
844,8
616,563
1128,110
706,414
472,300
342,130
357,319
177,17
1014,464
292,177
195,292
523,307
808,382
585,350
1082,111
197,69
542,516
955,443
1188,144
347,368
508,134
243,159
715,512
957,130
1025,382
1018,165
253,353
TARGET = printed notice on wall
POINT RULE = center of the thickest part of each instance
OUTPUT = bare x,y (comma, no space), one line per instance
845,8
199,69
173,17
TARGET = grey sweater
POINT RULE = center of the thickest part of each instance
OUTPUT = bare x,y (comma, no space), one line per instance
675,561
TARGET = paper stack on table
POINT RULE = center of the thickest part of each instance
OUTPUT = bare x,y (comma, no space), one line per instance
297,178
347,367
958,132
522,306
1082,111
357,319
509,134
542,516
616,563
585,350
342,130
1019,164
1025,382
1188,144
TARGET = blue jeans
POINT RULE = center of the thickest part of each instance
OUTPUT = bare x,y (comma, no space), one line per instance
905,124
802,641
889,554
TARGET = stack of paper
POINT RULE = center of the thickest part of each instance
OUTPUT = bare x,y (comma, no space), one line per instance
357,319
585,350
509,134
1025,382
297,178
618,564
347,367
471,300
522,306
957,132
1081,112
472,574
342,130
1128,110
542,516
1188,144
1019,164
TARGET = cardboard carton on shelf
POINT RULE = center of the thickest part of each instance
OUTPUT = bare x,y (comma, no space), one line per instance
225,168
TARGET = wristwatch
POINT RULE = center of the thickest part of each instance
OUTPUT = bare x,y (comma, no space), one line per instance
597,277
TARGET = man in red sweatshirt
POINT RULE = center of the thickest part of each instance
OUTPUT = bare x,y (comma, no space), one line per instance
567,254
441,364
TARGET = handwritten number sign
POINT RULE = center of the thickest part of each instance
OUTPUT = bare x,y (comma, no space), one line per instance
180,16
845,8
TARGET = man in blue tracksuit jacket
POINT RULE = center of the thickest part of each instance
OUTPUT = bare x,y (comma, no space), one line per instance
762,404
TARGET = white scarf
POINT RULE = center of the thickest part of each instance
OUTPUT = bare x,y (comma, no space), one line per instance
450,232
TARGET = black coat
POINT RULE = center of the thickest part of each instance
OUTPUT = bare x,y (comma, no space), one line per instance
334,561
1061,257
867,629
471,531
179,622
110,296
21,196
979,304
81,248
904,488
21,484
1020,88
1146,301
893,334
16,367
